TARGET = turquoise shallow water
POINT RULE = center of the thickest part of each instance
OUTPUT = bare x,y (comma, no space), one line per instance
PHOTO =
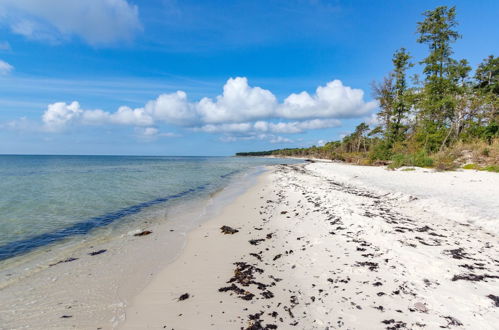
46,199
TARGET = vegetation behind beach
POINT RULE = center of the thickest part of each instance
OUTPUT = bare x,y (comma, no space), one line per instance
445,116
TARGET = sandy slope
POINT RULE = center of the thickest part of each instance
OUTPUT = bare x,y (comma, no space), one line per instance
338,246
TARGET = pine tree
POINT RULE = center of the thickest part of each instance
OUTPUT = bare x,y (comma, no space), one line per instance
437,101
401,106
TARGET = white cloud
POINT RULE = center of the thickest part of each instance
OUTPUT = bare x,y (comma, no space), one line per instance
268,137
95,21
372,120
59,115
241,110
150,131
5,68
239,102
280,139
331,101
302,126
172,108
265,126
129,116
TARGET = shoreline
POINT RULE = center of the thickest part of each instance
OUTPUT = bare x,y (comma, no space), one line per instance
88,283
316,249
319,245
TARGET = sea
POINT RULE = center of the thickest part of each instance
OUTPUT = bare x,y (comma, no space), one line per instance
50,200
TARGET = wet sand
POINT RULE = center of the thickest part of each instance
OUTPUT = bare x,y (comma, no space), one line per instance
331,246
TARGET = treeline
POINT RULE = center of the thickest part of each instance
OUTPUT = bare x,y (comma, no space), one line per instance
445,116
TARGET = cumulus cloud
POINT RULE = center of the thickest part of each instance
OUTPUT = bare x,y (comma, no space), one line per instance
172,108
331,101
60,115
94,21
241,103
5,68
241,111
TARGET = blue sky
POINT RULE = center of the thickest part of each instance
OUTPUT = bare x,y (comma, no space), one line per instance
166,77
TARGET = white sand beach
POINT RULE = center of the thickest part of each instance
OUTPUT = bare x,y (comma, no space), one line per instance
318,246
334,246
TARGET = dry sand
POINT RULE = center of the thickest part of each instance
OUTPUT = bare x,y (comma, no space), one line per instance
331,246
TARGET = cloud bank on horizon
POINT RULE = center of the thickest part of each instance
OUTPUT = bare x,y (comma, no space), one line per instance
240,112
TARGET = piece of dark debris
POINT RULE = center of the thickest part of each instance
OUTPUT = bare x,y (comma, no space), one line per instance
94,253
473,277
495,299
256,241
372,266
66,316
228,230
259,257
143,233
62,261
457,253
452,321
183,297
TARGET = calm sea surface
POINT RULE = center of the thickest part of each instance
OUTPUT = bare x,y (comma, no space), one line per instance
46,199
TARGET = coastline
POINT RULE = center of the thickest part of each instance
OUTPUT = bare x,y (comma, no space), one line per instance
89,283
317,249
319,245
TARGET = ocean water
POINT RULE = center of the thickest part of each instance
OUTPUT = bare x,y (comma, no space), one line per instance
49,199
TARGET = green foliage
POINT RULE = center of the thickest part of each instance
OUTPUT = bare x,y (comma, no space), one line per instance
420,159
381,151
488,168
492,168
471,167
487,75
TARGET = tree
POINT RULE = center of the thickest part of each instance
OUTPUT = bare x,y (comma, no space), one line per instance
401,105
487,75
437,101
392,95
384,93
360,130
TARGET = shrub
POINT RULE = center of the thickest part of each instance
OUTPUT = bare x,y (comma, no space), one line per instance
445,161
471,167
380,152
492,168
420,159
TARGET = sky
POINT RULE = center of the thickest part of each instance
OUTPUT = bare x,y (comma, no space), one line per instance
173,77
